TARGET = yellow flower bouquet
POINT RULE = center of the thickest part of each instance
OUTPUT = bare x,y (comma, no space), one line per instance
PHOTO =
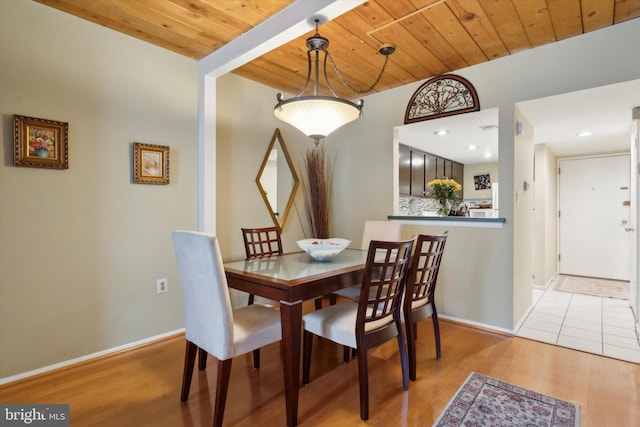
444,190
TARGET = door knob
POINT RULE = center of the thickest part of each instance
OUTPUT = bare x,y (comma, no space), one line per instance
628,229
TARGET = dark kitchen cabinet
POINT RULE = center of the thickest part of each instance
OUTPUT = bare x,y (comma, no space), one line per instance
443,168
411,171
452,170
417,168
457,173
404,170
417,173
429,168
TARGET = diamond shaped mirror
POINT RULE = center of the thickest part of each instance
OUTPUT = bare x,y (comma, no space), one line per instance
277,180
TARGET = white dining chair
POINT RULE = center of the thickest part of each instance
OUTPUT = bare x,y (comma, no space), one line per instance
373,230
374,319
211,324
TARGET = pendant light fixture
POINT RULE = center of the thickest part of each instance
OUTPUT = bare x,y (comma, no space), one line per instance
316,115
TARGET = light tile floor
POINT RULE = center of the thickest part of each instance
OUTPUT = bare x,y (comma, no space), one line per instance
593,324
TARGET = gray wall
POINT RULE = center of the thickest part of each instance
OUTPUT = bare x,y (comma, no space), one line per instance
478,282
482,280
81,249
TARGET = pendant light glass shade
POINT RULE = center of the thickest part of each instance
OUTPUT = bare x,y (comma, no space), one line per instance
317,116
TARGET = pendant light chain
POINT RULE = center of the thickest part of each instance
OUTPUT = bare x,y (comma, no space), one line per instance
353,89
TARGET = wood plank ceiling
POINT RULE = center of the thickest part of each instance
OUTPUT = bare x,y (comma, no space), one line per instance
431,36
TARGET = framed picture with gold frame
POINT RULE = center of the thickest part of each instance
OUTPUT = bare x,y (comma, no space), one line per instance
150,163
40,143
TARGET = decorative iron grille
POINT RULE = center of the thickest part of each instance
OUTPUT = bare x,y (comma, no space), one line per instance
444,95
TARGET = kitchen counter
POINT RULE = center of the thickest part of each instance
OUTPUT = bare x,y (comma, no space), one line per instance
449,221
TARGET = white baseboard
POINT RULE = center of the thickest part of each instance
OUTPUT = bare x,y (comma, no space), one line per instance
476,324
103,353
81,359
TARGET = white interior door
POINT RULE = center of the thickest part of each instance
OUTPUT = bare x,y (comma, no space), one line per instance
634,270
592,237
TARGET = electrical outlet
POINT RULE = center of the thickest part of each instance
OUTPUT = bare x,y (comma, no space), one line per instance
162,285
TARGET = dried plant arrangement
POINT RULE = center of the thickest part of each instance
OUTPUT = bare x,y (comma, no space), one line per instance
317,191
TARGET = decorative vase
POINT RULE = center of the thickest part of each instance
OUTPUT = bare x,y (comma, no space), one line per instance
42,152
445,207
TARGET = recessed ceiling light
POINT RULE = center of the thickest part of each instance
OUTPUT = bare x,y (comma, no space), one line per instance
487,155
585,133
472,147
441,132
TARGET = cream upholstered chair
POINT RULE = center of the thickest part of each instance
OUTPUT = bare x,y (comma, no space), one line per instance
373,230
371,321
211,324
419,302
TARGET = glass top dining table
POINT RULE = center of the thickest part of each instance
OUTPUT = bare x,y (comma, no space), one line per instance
291,279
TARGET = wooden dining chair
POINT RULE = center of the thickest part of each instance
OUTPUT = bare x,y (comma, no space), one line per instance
260,243
419,302
371,321
211,325
373,230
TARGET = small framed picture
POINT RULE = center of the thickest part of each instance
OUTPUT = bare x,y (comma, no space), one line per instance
482,182
40,143
150,163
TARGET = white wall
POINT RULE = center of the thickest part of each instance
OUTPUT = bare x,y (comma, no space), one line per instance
523,217
81,249
474,169
546,214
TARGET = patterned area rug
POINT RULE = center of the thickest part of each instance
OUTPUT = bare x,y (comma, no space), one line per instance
484,401
618,289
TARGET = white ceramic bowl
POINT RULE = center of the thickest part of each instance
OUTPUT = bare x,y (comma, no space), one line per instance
323,249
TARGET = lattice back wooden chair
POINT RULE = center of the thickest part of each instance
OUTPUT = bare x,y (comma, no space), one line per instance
211,325
419,302
261,243
372,230
373,320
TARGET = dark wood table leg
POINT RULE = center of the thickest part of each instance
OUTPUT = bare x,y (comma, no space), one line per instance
291,318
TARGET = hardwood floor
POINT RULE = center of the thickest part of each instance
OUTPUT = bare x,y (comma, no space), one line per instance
141,387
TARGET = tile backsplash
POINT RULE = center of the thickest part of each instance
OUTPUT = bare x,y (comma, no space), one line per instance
409,205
